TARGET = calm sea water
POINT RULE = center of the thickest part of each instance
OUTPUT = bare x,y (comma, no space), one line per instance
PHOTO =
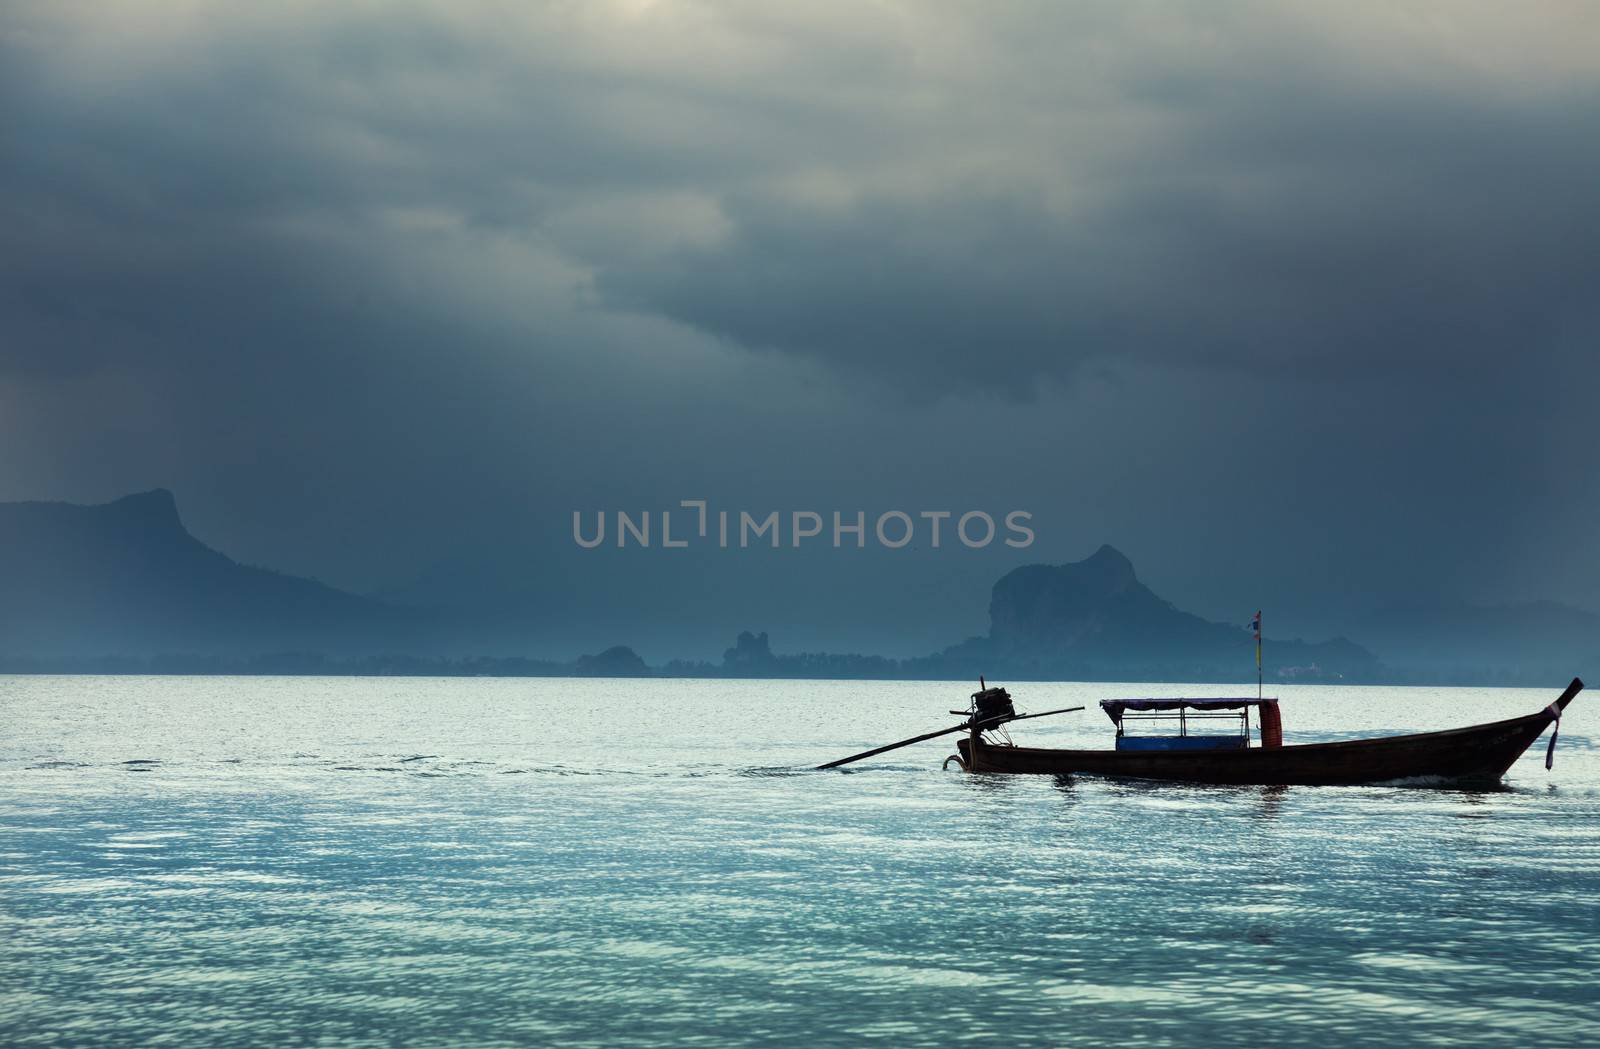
253,861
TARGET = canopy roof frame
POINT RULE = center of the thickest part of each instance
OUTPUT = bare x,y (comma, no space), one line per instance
1115,708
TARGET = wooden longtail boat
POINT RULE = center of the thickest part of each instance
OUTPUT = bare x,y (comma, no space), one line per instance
1477,754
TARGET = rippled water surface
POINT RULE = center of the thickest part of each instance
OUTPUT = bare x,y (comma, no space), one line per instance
252,861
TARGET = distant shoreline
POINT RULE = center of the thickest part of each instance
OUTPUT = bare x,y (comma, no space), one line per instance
310,665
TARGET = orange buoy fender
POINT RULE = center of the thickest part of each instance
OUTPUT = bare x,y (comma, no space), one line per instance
1271,725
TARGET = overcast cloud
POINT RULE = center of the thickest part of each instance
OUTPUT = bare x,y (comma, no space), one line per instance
1294,303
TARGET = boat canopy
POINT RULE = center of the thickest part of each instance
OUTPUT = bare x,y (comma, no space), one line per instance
1114,707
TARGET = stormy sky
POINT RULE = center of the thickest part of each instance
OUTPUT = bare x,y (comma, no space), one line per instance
1296,304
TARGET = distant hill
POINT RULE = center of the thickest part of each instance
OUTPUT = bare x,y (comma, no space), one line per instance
124,587
126,578
1536,642
1091,620
616,661
1094,620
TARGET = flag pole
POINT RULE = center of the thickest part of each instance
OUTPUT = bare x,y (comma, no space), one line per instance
1258,653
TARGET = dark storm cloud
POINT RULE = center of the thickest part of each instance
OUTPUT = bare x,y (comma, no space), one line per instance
304,263
933,194
1312,220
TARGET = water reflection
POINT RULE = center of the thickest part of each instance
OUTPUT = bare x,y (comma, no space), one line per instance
1271,801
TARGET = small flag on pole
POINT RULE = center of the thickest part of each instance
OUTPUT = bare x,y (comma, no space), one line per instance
1255,626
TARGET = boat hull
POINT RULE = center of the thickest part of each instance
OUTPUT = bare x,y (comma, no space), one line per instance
1479,754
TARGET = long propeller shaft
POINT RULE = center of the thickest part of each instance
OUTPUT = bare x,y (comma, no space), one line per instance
985,724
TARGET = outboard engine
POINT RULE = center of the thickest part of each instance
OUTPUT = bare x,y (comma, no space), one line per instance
991,704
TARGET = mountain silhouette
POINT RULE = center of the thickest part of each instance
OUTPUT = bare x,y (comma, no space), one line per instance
126,577
1093,619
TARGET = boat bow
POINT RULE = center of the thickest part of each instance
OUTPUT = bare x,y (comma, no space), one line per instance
1554,711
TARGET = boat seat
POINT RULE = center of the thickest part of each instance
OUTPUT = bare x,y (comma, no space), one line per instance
1181,743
